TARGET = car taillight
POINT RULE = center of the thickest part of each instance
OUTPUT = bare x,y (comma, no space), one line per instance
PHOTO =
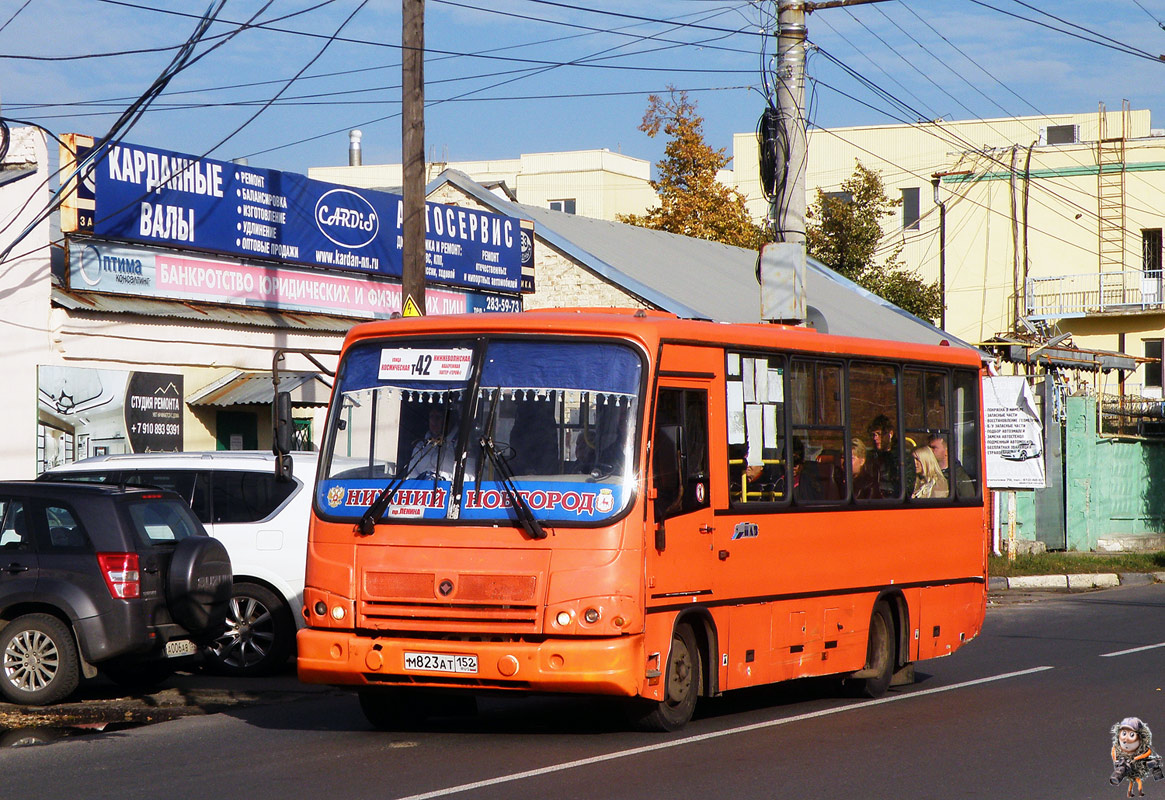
121,574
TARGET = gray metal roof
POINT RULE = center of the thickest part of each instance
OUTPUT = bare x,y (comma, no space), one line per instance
202,312
697,278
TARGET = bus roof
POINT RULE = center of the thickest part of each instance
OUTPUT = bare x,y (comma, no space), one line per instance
650,327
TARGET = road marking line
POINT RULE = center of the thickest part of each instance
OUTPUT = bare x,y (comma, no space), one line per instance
703,737
1133,650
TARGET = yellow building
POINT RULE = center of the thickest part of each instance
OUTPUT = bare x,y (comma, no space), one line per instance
592,183
1052,219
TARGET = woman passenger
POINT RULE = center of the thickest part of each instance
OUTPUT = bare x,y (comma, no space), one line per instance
865,471
929,480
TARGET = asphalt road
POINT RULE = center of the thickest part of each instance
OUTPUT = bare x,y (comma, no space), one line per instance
1022,712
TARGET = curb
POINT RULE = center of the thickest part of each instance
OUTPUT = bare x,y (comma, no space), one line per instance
1101,580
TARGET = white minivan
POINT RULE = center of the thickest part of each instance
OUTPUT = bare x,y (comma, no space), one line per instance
261,520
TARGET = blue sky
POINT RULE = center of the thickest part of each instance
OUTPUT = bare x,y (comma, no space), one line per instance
506,77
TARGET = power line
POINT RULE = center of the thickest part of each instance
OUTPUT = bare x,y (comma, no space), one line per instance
1120,47
15,14
590,28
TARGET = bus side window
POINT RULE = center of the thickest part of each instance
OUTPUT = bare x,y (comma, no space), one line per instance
680,452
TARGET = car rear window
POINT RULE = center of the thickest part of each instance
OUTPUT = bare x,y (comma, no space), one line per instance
162,521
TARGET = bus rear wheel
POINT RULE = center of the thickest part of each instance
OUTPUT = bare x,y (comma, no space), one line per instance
874,679
682,685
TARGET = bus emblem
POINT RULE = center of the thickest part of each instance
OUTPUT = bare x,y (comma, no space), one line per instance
605,501
335,496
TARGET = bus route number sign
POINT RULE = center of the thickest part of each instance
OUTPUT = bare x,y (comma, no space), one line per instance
425,364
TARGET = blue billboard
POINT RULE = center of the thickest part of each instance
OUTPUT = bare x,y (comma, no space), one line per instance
159,197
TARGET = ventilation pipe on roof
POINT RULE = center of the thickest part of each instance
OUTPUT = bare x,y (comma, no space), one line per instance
354,137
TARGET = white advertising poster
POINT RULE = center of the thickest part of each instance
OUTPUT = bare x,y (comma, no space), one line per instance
1014,434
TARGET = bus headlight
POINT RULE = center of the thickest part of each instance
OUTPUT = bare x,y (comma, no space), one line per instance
562,618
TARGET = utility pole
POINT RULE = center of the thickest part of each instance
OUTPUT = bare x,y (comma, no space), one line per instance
787,208
412,125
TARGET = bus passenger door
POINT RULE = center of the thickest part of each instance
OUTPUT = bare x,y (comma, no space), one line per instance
682,558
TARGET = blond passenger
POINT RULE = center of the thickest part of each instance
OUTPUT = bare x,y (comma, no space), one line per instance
929,480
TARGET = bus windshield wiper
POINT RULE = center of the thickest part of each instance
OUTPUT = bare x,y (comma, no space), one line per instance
521,508
367,524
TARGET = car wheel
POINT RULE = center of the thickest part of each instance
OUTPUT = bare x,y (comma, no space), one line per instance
258,637
199,585
40,663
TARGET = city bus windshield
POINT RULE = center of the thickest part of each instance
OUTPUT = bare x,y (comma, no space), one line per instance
466,429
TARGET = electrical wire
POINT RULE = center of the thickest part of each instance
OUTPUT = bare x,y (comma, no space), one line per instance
1146,206
1120,47
319,76
126,121
367,123
591,28
15,14
950,136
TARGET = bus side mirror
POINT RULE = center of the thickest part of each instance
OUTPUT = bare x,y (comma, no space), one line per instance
281,439
284,427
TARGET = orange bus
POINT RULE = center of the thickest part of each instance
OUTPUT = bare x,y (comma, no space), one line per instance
627,503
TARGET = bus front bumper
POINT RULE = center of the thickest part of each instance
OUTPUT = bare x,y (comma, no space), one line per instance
612,666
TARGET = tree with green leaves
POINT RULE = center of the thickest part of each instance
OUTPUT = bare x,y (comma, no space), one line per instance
691,200
842,231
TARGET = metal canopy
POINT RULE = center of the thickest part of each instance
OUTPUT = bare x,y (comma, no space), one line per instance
1063,357
256,388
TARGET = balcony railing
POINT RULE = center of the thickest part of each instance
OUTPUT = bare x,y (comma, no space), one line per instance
1129,291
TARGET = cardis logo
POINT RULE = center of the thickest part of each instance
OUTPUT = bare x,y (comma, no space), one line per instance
346,218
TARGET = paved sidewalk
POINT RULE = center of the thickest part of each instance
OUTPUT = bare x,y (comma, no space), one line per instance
1077,581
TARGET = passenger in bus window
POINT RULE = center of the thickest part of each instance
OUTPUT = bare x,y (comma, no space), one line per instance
766,481
534,439
435,453
584,452
865,470
963,483
889,474
929,481
812,480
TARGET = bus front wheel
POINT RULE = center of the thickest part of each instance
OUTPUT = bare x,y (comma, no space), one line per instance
873,680
682,685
